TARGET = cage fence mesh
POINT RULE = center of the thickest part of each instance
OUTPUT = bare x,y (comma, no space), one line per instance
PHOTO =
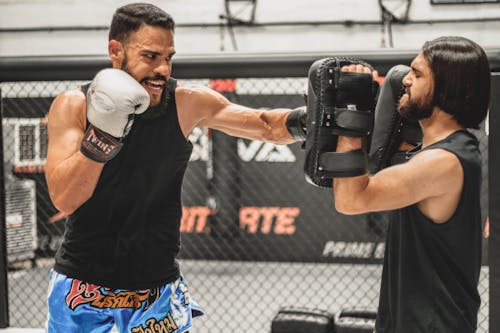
255,235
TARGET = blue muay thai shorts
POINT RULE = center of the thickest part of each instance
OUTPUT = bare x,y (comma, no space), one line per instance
77,306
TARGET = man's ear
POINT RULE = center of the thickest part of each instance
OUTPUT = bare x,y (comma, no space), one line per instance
116,52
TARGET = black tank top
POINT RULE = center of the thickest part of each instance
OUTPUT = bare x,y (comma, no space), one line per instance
431,271
127,234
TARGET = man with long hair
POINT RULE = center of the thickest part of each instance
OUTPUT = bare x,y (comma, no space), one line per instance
433,248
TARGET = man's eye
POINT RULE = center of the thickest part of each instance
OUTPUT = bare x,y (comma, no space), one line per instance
151,56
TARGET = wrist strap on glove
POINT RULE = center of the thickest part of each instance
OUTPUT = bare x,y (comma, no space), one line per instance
296,123
99,145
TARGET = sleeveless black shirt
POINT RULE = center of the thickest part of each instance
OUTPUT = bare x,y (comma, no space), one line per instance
127,234
431,271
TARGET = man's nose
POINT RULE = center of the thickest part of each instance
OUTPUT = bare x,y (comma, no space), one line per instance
163,69
407,80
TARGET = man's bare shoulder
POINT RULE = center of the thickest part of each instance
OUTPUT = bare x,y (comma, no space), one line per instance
437,157
191,90
197,95
70,104
438,164
74,98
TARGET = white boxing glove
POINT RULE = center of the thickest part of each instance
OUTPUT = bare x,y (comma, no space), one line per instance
113,98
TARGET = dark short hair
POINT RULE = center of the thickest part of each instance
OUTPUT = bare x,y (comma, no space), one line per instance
131,17
461,78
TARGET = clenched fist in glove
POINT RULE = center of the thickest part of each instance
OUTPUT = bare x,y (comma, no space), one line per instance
113,98
296,123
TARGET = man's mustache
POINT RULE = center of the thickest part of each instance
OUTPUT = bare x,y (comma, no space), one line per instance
156,77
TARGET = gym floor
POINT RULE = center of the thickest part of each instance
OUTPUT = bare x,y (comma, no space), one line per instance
241,290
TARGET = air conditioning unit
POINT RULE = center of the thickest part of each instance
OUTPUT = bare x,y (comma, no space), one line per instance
24,146
20,202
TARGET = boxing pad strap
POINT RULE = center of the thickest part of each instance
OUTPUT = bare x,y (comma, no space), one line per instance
345,164
356,123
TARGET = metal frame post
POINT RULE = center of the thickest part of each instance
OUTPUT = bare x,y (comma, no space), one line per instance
4,299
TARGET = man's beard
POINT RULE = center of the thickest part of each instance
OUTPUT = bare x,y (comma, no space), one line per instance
157,109
416,110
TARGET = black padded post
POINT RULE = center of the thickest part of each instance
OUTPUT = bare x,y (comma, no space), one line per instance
494,203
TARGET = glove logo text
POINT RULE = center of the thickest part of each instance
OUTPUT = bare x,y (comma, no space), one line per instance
106,148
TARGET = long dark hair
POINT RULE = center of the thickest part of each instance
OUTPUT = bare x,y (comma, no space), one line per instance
461,77
131,17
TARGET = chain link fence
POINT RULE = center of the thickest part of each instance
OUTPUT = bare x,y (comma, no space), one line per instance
255,236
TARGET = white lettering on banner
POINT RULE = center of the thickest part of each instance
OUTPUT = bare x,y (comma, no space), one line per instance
264,152
379,251
199,140
353,250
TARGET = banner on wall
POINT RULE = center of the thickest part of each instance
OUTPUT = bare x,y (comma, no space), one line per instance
242,199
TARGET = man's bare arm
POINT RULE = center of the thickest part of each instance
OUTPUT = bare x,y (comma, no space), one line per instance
71,177
434,174
201,106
